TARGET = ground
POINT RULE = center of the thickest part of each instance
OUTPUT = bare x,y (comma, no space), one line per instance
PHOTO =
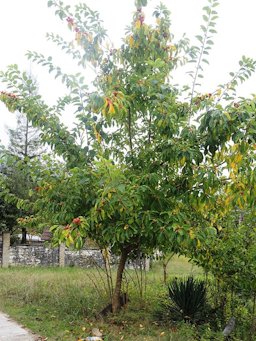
62,304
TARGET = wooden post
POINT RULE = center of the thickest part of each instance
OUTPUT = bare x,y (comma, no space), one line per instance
6,249
62,255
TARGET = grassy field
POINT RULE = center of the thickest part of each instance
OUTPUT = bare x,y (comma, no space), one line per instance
62,304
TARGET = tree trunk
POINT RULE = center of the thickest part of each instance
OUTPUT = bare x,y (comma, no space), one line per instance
165,272
116,303
24,235
166,261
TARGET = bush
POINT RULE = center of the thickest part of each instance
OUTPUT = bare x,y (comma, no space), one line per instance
188,298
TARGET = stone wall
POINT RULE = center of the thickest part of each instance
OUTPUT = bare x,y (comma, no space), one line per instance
83,258
43,255
33,255
40,255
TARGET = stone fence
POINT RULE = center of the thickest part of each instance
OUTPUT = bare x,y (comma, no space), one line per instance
43,255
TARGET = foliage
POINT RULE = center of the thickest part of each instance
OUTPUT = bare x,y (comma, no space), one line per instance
8,209
24,141
8,216
16,181
188,297
139,172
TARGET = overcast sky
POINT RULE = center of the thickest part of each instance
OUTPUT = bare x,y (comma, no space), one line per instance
24,23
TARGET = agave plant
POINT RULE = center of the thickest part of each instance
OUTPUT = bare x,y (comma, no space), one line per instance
188,297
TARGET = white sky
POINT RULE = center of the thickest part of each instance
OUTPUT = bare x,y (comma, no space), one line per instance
24,23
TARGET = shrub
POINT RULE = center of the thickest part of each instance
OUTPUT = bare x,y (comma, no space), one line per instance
188,298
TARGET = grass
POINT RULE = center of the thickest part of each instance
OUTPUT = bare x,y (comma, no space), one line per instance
178,266
62,303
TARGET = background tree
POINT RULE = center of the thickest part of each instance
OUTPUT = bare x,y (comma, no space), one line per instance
147,176
24,140
8,210
24,146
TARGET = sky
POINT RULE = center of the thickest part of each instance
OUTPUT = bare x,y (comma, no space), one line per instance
24,24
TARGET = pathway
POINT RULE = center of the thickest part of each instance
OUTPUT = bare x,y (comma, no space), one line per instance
11,331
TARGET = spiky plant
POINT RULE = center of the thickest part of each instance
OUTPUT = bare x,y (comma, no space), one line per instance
188,297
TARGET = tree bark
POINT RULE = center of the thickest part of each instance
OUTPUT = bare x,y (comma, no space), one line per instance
165,272
116,303
24,235
166,261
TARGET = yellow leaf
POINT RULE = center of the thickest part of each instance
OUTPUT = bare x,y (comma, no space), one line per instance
138,24
232,176
228,200
227,115
109,195
182,161
238,158
70,239
78,37
192,234
233,165
97,134
111,108
98,137
131,41
239,202
198,243
219,228
162,334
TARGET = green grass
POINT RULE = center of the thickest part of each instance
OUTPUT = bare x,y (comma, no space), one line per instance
178,266
62,304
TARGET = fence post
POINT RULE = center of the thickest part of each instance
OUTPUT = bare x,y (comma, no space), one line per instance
62,255
147,263
6,249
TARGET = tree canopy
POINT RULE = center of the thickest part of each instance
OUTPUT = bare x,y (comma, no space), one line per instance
159,165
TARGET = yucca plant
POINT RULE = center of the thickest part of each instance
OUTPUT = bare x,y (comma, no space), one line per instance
188,297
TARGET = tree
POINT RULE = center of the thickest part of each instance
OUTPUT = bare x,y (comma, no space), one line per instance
147,175
8,210
24,141
16,184
24,145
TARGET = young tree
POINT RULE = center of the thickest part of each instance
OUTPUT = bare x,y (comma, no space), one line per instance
148,176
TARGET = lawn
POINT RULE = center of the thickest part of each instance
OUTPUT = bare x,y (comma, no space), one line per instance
63,303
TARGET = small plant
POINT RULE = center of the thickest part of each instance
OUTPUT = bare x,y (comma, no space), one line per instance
188,297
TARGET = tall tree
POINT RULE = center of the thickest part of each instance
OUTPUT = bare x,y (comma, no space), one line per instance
24,140
8,209
148,177
25,145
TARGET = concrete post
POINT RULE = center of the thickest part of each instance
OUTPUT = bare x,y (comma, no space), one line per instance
6,250
147,264
62,255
